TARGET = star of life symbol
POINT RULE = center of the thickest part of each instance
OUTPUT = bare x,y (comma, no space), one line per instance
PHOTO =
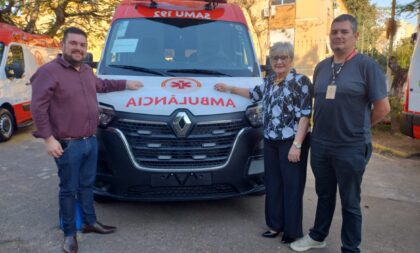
181,124
181,85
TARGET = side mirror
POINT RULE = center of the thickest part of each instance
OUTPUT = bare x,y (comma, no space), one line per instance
267,67
414,38
89,61
14,70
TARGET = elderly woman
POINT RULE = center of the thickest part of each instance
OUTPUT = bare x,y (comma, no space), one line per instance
286,99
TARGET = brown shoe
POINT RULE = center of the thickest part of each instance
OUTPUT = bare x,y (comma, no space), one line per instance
70,244
98,228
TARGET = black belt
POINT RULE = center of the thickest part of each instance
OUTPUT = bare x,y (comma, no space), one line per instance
75,138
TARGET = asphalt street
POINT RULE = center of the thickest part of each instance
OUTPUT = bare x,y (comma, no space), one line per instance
29,213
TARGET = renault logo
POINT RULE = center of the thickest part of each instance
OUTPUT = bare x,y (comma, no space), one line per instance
181,124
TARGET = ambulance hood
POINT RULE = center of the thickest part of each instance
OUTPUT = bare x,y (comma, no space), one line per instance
163,95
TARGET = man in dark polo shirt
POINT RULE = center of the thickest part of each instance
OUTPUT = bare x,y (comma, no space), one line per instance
65,111
350,97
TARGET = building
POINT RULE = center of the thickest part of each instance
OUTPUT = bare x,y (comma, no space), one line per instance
306,24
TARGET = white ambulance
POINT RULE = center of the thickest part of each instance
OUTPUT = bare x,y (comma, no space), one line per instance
177,138
20,56
410,118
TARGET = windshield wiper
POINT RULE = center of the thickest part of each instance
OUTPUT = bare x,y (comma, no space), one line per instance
136,68
198,71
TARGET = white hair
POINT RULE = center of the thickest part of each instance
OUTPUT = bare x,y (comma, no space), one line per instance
282,47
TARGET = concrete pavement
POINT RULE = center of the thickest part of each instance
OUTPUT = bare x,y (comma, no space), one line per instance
29,222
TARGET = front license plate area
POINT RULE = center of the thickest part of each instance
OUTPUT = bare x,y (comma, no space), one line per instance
181,179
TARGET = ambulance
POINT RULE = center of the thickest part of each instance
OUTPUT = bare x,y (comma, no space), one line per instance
410,118
177,138
20,56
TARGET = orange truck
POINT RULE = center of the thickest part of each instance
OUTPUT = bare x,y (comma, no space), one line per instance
21,54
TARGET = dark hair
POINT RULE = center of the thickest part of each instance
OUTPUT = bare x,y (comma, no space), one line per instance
74,30
347,17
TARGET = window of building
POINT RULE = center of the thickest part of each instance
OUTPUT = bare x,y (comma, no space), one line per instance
280,2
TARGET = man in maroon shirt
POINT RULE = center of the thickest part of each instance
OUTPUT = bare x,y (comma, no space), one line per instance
65,111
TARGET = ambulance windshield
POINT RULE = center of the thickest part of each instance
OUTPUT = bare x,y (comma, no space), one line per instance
176,47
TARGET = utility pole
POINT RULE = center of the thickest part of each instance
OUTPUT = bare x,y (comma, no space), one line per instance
391,29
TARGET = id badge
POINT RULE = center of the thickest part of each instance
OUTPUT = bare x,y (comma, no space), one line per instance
331,89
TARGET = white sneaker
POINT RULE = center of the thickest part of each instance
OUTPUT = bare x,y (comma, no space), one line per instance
305,243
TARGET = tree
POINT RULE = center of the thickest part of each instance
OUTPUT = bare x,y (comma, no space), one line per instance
366,16
412,7
404,52
50,17
399,63
399,72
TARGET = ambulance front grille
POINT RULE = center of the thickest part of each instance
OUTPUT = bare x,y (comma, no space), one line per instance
155,145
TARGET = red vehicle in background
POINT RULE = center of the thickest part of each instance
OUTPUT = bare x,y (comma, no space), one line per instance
20,56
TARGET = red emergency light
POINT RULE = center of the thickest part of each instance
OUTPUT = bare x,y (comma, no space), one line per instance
156,1
187,9
208,4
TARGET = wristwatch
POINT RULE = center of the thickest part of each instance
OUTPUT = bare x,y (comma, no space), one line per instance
297,145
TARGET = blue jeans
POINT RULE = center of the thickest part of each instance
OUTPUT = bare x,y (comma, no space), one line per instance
77,171
343,166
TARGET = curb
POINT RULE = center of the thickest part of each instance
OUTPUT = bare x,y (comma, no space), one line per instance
384,149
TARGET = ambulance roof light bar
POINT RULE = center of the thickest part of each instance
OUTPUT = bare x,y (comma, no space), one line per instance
153,4
210,5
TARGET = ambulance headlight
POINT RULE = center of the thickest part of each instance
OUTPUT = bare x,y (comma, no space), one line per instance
254,115
106,115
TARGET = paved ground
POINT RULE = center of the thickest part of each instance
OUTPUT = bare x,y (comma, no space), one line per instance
28,213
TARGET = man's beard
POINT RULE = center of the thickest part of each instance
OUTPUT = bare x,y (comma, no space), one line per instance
72,61
339,51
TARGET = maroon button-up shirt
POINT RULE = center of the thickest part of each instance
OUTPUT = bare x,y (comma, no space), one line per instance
64,102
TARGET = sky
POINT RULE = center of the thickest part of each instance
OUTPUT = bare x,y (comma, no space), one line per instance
387,3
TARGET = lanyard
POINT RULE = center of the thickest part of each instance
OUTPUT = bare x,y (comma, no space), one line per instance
336,73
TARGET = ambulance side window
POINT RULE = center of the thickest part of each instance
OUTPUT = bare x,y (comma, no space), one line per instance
15,64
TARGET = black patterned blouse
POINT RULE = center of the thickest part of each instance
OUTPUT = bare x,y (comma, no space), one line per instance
283,104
